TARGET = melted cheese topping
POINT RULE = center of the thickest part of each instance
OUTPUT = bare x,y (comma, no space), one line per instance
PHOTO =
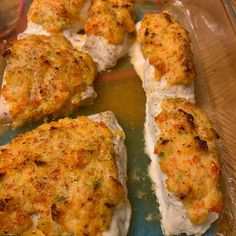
55,15
44,77
110,19
187,154
65,175
166,45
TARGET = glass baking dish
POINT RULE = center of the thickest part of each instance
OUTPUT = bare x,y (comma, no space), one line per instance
230,6
120,90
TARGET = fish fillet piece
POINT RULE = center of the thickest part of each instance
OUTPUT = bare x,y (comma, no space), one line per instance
166,45
184,165
146,72
45,77
109,30
66,177
55,16
162,56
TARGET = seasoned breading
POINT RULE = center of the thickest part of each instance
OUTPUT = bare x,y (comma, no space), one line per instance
166,44
64,175
111,19
45,77
187,154
55,15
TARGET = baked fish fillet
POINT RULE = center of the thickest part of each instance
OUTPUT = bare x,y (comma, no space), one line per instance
66,178
45,77
55,16
162,57
184,165
108,32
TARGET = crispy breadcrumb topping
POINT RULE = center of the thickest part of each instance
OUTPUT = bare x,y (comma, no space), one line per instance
44,77
55,15
166,44
187,153
111,19
63,174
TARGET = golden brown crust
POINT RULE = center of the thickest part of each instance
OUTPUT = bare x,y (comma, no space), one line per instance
111,19
45,77
187,153
65,174
166,44
55,15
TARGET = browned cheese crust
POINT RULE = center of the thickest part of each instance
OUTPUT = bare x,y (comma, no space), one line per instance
55,15
45,77
65,173
111,19
166,44
187,153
